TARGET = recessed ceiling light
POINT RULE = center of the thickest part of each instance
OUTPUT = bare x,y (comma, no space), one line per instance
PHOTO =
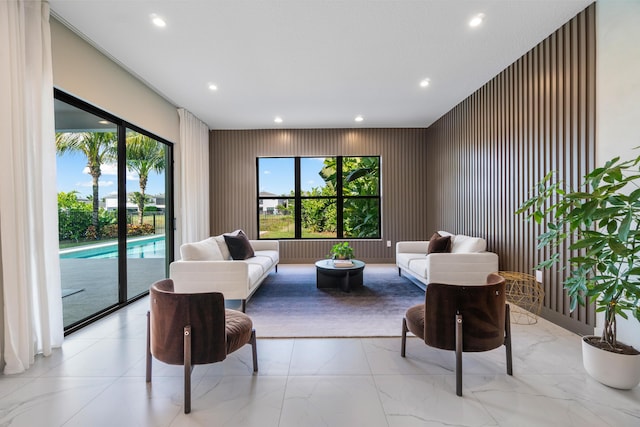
476,20
425,82
278,119
359,118
212,86
158,21
103,122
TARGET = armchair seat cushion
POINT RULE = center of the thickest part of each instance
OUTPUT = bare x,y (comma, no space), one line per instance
238,329
415,320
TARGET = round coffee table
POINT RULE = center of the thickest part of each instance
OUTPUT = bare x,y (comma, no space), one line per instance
345,278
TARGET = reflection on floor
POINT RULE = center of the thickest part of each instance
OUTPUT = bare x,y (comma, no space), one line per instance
97,379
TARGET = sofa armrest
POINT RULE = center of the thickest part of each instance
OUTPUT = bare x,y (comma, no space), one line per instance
461,268
412,247
265,245
229,277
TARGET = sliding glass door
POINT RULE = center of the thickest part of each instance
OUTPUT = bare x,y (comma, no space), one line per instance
114,206
86,145
146,212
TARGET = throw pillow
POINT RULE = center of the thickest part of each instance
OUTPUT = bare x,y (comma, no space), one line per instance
468,244
239,246
205,250
222,245
439,244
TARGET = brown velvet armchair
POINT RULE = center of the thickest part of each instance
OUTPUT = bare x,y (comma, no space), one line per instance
462,318
193,329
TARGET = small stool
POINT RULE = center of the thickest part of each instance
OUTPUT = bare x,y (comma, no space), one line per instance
526,293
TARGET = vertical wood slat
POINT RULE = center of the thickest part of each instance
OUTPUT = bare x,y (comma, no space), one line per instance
544,107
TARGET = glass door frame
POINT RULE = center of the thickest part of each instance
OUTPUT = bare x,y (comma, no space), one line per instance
122,126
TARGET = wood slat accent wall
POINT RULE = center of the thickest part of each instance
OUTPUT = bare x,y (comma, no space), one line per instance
402,155
537,115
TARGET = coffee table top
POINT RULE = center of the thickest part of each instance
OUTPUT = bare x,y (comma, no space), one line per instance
327,264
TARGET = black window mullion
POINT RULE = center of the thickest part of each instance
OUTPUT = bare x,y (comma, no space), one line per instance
339,199
298,199
122,213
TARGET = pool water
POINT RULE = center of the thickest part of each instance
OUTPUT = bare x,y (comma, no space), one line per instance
144,248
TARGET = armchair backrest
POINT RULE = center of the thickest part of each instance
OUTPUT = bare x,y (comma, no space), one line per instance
170,312
483,315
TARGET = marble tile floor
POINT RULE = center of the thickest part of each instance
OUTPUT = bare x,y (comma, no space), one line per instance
97,379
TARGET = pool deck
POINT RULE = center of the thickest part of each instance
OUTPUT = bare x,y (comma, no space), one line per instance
91,285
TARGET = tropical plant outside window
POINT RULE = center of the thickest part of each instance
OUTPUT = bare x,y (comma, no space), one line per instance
319,197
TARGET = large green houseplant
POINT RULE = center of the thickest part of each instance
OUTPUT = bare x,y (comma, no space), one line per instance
599,220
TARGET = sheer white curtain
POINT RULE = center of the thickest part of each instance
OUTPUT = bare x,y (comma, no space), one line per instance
192,186
30,270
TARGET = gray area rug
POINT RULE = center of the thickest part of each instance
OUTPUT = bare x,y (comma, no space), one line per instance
288,304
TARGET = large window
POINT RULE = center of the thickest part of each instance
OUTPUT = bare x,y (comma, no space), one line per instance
319,197
113,207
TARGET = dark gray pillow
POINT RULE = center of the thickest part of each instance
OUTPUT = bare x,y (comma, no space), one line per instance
239,245
439,244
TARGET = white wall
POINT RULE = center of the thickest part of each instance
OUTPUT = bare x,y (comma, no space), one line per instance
82,71
618,97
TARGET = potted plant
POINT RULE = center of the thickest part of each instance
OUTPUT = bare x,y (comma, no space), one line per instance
599,220
341,250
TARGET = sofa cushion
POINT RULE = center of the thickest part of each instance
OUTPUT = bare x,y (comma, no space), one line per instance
222,245
468,244
263,261
272,255
204,250
439,244
239,246
403,259
418,266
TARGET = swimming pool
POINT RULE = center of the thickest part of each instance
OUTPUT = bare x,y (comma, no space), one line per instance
146,247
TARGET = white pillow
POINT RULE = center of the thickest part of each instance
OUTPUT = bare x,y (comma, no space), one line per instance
445,234
222,245
205,250
467,244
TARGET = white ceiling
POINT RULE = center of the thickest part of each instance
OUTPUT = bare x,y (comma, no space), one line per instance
315,63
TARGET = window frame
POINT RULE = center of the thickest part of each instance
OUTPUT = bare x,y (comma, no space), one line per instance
339,198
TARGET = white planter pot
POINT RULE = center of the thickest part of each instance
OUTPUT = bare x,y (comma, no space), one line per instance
614,370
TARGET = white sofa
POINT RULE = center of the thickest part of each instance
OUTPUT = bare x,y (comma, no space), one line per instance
207,266
468,263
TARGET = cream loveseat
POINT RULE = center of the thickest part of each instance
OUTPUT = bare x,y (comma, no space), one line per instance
464,262
228,263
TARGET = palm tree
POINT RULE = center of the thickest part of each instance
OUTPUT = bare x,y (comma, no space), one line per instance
140,200
98,147
144,155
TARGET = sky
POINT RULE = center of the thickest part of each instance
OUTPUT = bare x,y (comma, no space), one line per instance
277,174
73,175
